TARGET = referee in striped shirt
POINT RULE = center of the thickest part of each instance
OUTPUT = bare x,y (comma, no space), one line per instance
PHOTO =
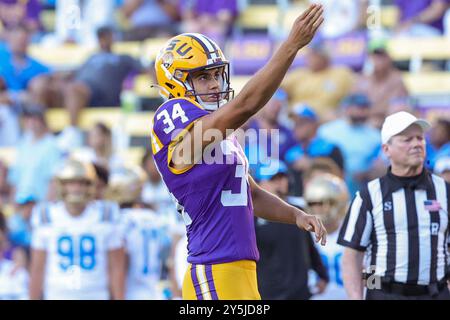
399,222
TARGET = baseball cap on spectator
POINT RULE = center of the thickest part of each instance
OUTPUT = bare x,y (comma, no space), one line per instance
304,111
356,100
268,171
398,122
25,198
377,46
442,165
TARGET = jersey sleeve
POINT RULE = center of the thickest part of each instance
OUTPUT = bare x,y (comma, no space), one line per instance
173,119
358,225
39,238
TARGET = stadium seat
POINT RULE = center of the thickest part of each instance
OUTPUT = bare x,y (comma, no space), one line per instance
57,119
390,15
436,48
258,17
132,48
427,83
110,116
138,124
65,57
142,87
151,48
133,155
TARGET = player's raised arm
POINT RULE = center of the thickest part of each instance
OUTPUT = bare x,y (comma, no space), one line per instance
255,93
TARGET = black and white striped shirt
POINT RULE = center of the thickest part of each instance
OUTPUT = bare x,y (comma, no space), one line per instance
405,224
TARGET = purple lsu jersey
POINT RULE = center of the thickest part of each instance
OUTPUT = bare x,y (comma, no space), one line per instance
214,198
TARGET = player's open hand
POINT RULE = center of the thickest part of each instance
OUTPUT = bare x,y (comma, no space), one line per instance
306,25
313,224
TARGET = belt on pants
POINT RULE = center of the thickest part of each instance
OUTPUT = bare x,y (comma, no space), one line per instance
405,289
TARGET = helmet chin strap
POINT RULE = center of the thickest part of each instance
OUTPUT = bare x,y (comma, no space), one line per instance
211,106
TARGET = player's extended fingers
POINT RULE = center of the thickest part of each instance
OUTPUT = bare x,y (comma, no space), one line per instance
315,17
307,11
324,235
312,14
317,24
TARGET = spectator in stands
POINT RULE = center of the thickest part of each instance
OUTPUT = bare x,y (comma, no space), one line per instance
320,85
100,148
384,82
213,18
359,143
342,17
442,168
150,18
38,156
438,145
268,118
421,17
282,242
13,276
17,68
154,191
16,12
5,188
319,166
97,83
309,144
19,223
77,21
9,118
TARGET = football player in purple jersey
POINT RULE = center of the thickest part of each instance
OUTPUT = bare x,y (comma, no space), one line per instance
218,199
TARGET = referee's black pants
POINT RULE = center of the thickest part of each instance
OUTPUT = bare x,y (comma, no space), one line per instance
444,294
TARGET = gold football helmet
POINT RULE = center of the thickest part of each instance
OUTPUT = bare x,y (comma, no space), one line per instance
76,170
187,53
327,196
125,185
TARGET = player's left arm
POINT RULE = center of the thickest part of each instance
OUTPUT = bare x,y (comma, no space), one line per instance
270,207
116,274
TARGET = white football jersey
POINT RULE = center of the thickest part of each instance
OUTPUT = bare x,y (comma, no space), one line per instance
148,240
77,248
13,282
331,255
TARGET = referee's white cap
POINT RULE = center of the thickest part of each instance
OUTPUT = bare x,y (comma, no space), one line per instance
398,122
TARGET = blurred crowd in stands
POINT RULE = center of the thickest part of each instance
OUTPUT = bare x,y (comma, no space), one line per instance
328,115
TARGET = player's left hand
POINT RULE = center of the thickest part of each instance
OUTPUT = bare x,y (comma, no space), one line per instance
313,224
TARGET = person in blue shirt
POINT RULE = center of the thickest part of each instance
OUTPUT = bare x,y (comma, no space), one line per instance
259,146
438,142
17,68
38,156
310,145
359,142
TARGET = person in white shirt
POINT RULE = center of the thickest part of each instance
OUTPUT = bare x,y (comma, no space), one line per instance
147,235
326,196
77,245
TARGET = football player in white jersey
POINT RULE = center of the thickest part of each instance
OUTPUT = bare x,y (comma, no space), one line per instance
77,246
326,196
147,235
13,277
